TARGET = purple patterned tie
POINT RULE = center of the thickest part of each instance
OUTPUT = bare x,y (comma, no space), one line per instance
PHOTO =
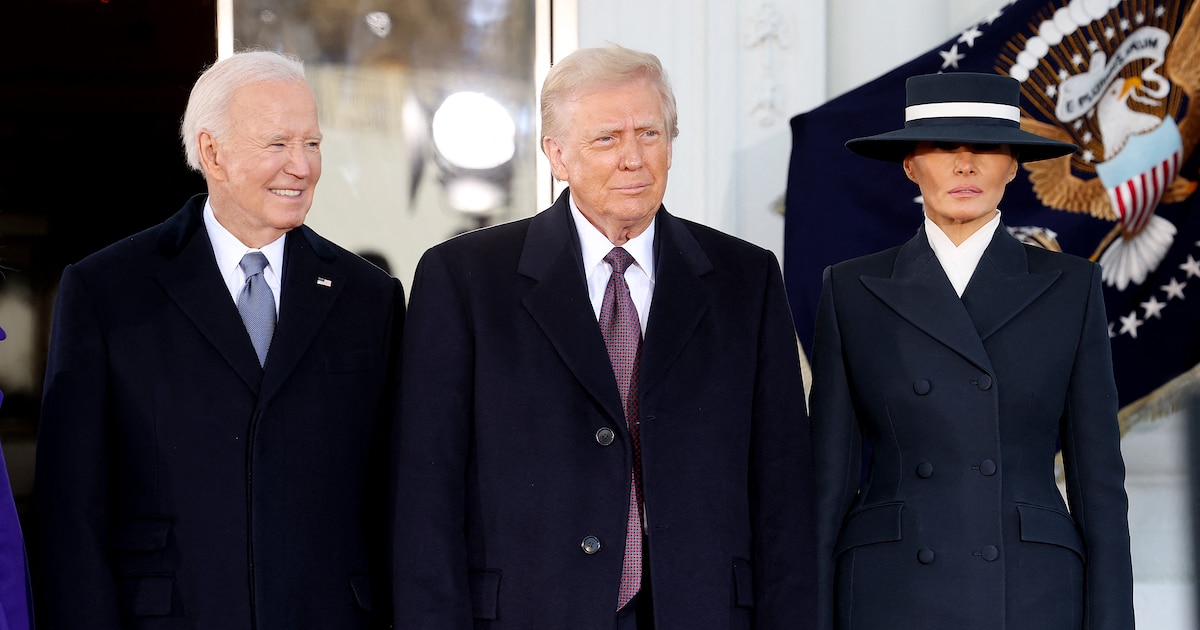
623,337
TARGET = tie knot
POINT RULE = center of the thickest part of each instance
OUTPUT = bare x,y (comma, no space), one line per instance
253,263
619,259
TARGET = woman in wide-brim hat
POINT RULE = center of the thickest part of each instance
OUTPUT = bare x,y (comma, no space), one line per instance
947,372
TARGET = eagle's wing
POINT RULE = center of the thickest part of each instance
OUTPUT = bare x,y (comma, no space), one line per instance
1183,69
1057,187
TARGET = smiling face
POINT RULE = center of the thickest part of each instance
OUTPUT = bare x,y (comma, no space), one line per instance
262,174
614,155
961,183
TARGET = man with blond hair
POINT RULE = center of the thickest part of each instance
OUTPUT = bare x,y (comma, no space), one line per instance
603,422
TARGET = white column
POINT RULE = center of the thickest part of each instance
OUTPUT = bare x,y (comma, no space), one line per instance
1156,479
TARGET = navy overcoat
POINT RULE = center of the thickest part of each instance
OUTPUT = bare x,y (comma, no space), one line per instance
179,485
955,520
514,448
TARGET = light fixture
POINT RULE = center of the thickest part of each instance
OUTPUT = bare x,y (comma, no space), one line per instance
472,131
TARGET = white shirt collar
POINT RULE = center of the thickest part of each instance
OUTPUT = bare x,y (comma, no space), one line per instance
228,251
960,262
595,245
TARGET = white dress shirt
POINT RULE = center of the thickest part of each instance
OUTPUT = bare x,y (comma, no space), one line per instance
639,276
959,262
229,251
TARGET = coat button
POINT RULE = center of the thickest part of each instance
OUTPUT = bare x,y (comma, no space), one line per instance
987,467
925,556
924,470
604,436
590,545
984,382
990,553
922,387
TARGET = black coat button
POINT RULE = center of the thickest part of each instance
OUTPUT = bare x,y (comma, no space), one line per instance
987,467
925,556
924,470
922,387
604,436
984,382
590,545
990,553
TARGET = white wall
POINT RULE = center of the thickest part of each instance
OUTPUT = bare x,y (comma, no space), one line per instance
863,41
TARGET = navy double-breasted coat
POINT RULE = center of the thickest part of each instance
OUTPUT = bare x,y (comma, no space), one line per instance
956,521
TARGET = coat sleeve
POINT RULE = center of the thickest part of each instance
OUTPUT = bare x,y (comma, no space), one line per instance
1095,472
75,587
781,492
431,588
837,444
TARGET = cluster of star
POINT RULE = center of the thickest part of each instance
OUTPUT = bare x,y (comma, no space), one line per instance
950,58
1065,22
1153,307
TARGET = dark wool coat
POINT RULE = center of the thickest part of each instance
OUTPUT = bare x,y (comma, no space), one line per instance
514,448
955,521
182,486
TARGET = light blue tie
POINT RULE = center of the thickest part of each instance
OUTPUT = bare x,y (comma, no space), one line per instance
257,304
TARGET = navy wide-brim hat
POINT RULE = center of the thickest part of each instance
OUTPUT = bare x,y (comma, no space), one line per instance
961,107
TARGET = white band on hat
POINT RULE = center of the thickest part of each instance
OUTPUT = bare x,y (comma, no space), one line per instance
962,110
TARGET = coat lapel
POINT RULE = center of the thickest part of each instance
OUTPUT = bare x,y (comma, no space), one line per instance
1002,285
189,275
681,299
311,285
558,301
920,292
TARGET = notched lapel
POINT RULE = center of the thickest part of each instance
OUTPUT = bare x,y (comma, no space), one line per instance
310,288
1002,285
681,299
191,278
920,292
558,301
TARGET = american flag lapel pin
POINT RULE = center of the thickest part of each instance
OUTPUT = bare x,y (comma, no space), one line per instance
325,282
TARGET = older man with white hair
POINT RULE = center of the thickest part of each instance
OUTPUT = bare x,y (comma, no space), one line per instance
210,452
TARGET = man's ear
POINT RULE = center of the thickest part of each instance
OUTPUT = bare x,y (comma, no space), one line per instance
554,153
209,155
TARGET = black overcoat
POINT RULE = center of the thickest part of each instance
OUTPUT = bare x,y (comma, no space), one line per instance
179,485
514,449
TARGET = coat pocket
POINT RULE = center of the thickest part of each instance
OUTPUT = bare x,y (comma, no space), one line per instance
143,589
142,533
145,595
485,593
869,525
1049,526
349,360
